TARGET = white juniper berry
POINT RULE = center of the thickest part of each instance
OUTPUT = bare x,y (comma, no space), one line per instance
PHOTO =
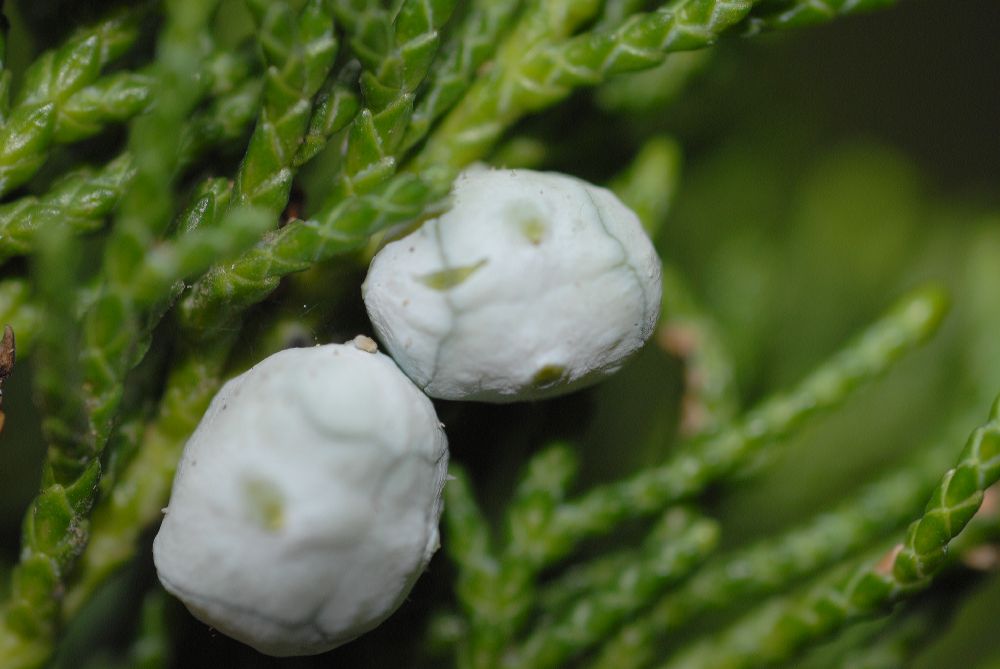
531,285
306,503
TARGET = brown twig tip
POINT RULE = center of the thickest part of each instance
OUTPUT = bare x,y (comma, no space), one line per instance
990,506
982,558
694,416
682,341
7,358
885,564
678,339
7,353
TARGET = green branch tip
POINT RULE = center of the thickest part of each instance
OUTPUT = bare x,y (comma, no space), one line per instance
781,629
910,322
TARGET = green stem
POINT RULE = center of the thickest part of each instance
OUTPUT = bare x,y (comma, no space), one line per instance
479,579
80,201
192,253
83,199
112,325
674,550
783,629
769,566
144,484
227,290
650,184
687,473
58,374
112,99
546,72
374,140
49,85
471,44
799,13
511,592
300,51
335,107
21,313
55,528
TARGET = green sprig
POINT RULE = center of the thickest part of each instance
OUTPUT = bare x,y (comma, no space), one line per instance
54,534
771,565
674,549
369,29
335,107
151,647
787,14
479,578
300,51
787,626
80,201
472,43
193,253
548,71
650,184
20,311
48,87
225,119
111,326
376,136
687,473
55,529
65,422
144,484
83,199
495,586
228,289
111,99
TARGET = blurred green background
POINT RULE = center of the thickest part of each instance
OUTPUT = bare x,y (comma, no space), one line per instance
826,171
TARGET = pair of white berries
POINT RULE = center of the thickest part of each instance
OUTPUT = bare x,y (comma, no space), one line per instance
306,504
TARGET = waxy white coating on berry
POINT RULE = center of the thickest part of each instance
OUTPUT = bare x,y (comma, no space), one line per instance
531,285
307,501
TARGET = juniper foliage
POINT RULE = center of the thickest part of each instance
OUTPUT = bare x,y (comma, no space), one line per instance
177,177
